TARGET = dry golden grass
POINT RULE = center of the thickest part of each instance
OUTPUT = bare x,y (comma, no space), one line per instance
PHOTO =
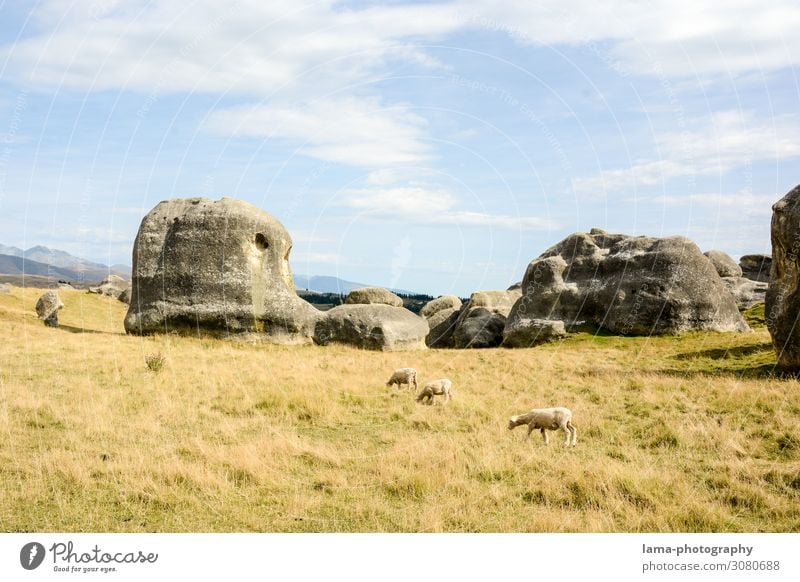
686,433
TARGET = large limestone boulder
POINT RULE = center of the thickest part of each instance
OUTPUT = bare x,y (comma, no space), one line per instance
525,333
439,304
218,267
47,308
626,285
111,286
745,292
782,309
442,325
724,264
481,321
372,296
756,267
372,327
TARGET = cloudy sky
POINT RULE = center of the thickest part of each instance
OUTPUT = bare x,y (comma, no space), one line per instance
435,146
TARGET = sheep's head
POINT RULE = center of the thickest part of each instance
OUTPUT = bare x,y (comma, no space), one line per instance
512,422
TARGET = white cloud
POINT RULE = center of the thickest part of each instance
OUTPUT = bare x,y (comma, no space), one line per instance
725,141
419,205
355,131
680,38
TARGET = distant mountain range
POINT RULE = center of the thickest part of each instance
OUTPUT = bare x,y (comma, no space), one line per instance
46,262
328,284
54,263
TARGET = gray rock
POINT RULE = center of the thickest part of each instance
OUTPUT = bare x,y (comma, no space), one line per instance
111,286
5,288
372,327
627,285
756,267
526,333
516,287
372,296
782,309
125,296
745,292
481,321
442,325
217,267
47,308
724,264
439,304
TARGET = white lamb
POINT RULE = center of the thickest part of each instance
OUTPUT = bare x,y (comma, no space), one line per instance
404,376
547,419
433,389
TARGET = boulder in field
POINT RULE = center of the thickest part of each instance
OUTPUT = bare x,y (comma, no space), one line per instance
724,264
373,296
440,303
746,292
47,308
217,267
756,267
372,327
630,285
481,321
442,325
5,288
782,309
526,333
111,286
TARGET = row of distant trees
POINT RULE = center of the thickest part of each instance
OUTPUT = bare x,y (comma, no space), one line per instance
412,302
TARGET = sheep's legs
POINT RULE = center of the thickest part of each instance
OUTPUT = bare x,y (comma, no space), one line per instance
545,437
567,435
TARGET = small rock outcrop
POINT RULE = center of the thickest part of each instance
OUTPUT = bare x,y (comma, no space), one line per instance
626,285
724,264
525,333
111,286
5,288
47,308
217,267
756,267
439,304
481,321
373,296
746,292
782,310
372,327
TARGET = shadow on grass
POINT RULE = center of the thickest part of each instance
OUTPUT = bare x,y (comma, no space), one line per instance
723,353
72,329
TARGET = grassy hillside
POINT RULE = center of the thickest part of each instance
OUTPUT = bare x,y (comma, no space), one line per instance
688,433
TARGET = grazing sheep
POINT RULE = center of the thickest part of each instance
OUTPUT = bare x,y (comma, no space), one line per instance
404,376
547,419
435,388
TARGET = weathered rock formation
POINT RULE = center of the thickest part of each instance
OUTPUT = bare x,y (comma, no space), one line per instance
442,325
782,310
724,264
756,267
525,333
440,303
746,292
47,308
373,296
218,267
481,321
626,285
372,327
111,286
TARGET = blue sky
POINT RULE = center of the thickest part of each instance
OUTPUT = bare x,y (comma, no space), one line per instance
430,146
